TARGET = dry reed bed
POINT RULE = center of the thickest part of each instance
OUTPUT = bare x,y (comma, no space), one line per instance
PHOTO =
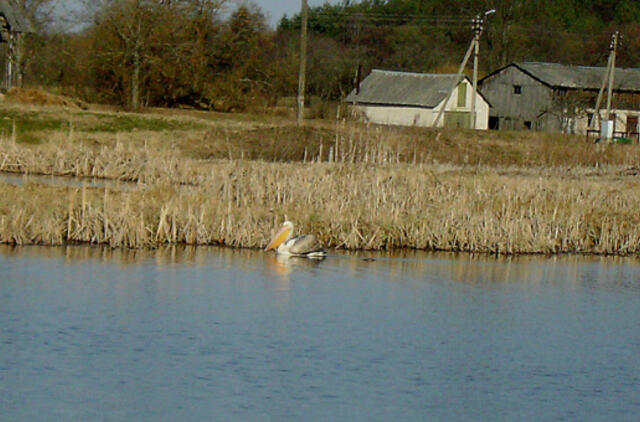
350,206
156,160
122,161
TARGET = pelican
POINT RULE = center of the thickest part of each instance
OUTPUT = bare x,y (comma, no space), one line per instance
305,245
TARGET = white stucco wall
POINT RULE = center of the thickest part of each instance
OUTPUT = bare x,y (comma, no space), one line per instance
620,125
424,117
397,116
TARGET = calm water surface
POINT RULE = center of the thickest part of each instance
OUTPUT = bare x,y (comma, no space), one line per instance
19,179
88,334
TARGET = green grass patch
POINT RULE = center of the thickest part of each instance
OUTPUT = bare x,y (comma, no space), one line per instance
26,123
129,123
29,124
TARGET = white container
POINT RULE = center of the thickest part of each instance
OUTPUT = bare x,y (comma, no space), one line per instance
606,129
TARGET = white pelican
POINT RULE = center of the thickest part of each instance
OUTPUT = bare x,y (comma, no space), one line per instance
305,245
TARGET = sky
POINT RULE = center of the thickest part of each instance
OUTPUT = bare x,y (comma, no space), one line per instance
275,9
272,9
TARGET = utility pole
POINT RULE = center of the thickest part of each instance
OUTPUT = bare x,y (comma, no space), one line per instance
303,61
605,78
456,82
612,71
477,28
478,24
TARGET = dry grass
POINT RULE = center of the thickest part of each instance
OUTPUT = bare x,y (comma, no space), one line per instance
206,136
346,206
182,157
39,97
231,182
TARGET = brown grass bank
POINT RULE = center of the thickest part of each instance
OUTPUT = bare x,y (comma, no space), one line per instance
351,206
47,139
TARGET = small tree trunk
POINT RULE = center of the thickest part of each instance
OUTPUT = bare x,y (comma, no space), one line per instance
19,71
11,60
135,81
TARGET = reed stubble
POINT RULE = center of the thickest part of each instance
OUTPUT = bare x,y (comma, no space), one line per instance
349,206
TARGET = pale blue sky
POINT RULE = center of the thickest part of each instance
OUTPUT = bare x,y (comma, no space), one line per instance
275,9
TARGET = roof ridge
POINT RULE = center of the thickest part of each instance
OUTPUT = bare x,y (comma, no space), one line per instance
580,66
400,72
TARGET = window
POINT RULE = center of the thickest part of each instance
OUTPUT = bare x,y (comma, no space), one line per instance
462,95
561,92
517,89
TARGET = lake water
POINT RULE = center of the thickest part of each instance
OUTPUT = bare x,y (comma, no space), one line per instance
181,334
20,179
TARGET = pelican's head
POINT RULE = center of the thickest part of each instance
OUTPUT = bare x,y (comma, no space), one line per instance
283,235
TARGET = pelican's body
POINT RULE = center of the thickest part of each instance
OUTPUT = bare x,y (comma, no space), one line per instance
286,244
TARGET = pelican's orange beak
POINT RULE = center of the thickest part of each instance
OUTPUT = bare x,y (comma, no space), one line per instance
282,235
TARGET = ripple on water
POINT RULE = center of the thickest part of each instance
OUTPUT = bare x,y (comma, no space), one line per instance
232,335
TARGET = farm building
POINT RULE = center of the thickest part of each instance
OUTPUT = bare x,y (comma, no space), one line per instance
559,98
13,25
414,99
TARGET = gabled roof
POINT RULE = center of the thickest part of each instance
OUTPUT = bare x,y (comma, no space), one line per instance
575,77
15,17
385,87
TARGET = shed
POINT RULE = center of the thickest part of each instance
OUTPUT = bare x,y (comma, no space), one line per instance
414,99
13,20
556,97
13,24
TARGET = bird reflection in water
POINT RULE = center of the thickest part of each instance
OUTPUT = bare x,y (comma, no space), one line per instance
283,266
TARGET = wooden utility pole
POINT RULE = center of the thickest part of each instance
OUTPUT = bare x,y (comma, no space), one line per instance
605,78
477,28
612,71
478,24
303,61
456,82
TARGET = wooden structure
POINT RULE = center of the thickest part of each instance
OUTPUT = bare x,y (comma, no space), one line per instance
13,25
414,99
558,98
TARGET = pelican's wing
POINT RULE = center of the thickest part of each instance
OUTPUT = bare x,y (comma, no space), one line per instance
306,244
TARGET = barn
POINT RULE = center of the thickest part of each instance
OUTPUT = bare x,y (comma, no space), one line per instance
415,99
13,25
559,98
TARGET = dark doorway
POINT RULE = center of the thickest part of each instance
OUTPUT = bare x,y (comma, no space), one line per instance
494,123
632,126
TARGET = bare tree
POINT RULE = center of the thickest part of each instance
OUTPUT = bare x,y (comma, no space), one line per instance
127,31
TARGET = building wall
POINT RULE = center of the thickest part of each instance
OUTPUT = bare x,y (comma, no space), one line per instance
396,116
623,125
516,111
424,117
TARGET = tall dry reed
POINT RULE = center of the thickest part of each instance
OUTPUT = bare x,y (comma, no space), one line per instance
354,186
346,206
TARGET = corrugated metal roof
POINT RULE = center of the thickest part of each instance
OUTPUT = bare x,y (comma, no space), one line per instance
18,22
580,77
403,89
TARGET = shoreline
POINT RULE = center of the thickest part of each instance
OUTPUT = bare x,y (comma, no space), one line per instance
358,254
